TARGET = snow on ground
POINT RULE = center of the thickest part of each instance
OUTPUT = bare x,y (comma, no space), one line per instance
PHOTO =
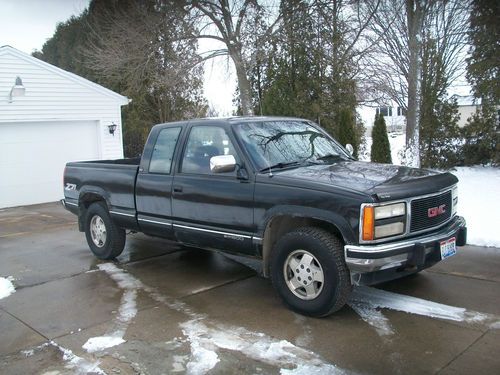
6,287
373,317
478,195
479,203
127,310
367,303
207,337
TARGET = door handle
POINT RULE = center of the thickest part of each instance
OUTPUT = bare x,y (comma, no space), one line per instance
177,189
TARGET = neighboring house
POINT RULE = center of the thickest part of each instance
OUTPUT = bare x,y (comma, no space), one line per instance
467,106
395,117
48,117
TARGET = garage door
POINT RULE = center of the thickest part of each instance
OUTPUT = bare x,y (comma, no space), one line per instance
33,155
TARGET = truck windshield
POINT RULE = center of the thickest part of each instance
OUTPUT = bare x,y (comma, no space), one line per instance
279,144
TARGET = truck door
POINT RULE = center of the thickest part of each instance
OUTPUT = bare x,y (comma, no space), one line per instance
212,210
154,185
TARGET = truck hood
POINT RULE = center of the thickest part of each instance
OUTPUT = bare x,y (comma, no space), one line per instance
384,181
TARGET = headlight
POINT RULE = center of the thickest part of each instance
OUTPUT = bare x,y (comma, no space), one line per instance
387,230
391,210
383,221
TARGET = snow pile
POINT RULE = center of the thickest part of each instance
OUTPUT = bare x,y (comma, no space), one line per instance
96,344
479,203
6,287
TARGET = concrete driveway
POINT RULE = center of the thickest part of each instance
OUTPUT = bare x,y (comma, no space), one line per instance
162,309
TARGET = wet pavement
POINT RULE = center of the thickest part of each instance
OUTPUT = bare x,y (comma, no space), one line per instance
162,309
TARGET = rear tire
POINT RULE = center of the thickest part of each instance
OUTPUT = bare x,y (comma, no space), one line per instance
106,240
309,273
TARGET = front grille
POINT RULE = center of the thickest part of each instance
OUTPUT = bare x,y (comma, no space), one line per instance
420,219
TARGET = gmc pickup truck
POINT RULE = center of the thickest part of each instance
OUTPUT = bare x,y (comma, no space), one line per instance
277,189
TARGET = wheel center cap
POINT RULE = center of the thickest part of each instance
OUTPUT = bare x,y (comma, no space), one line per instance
304,275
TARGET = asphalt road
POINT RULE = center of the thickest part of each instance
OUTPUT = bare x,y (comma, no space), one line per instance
168,309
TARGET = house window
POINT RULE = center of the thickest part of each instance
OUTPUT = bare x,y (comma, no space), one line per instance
401,111
384,111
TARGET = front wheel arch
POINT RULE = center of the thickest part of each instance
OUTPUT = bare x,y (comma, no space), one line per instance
280,225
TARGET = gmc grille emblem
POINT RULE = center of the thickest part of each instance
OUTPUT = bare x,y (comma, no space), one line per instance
435,211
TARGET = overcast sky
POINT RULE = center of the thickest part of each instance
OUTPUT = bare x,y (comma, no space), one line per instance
27,24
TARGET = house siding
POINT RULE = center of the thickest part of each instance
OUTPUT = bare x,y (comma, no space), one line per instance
54,96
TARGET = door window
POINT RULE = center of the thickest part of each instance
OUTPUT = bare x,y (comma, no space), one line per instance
163,152
203,143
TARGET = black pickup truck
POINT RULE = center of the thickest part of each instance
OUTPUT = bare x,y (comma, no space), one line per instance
278,189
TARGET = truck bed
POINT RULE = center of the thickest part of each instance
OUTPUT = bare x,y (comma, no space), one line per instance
112,179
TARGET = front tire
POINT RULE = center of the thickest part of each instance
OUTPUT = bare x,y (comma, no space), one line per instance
106,240
309,273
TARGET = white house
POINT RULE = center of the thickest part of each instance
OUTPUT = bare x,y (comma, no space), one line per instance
467,106
394,116
48,117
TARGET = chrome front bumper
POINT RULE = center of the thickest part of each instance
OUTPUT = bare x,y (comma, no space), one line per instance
415,252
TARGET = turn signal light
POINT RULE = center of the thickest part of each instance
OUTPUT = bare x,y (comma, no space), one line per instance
368,223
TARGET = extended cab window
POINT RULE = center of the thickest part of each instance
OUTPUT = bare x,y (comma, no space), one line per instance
163,152
203,143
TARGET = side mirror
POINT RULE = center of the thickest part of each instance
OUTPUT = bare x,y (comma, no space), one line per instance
222,163
349,148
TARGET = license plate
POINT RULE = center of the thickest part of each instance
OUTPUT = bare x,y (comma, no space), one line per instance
448,248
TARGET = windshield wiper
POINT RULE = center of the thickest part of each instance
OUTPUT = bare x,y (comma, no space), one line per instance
330,156
279,166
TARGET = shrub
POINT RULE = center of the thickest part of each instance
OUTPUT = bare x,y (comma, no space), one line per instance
381,148
481,138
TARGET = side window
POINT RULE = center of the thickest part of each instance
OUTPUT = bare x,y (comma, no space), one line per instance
163,152
203,143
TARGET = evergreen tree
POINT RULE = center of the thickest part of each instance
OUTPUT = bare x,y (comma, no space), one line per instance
482,135
483,64
308,72
290,87
381,148
439,133
346,129
440,138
